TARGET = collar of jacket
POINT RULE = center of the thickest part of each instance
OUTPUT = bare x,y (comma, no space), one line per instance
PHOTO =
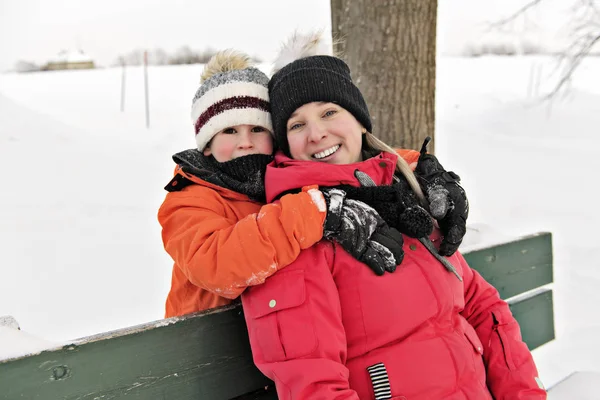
192,168
285,174
183,179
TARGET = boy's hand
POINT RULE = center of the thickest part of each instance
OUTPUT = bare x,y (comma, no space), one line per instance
362,232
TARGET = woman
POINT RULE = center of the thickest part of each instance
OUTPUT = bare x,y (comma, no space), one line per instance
325,328
215,226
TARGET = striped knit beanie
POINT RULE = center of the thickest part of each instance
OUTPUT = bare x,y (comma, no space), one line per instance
305,73
231,93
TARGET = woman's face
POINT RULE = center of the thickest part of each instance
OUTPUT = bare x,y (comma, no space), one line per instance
324,132
239,140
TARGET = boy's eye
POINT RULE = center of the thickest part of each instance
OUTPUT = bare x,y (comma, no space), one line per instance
228,130
329,113
258,129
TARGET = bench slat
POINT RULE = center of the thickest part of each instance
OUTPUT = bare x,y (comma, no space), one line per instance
515,267
536,318
199,357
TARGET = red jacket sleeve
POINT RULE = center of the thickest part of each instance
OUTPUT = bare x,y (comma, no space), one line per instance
295,328
511,371
224,255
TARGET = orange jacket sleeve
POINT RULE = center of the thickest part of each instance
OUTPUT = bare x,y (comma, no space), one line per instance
410,156
223,254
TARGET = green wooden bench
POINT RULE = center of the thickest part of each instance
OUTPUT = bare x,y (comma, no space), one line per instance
207,355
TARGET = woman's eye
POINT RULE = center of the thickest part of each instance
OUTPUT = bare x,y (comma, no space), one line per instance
329,113
228,130
294,126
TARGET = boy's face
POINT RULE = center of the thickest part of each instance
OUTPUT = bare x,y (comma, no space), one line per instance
239,140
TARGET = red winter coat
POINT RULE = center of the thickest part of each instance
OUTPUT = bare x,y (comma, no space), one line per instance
318,326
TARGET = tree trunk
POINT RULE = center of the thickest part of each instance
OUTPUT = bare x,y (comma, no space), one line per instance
390,48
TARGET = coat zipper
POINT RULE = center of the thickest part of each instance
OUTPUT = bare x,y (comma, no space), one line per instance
499,329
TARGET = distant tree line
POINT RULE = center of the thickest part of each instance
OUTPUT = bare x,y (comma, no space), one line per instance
26,66
504,45
158,56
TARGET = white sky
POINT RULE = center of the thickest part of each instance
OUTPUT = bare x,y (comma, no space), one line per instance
36,30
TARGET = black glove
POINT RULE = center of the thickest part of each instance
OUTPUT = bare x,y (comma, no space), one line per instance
397,205
448,202
362,232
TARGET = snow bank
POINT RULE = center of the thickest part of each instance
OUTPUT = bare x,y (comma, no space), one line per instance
579,385
15,343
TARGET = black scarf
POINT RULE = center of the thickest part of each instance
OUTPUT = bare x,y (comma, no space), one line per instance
244,175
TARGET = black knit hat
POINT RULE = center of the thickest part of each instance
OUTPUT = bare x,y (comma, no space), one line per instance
313,79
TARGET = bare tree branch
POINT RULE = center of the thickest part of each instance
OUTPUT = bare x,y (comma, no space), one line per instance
589,4
516,14
585,34
573,63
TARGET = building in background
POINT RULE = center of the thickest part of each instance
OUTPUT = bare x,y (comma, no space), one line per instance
70,60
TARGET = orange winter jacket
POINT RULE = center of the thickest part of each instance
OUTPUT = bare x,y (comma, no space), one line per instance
222,242
410,156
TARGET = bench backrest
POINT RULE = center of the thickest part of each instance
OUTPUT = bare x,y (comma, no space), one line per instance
207,355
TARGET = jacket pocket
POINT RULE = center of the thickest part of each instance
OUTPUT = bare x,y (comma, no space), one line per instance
477,346
499,329
472,337
280,322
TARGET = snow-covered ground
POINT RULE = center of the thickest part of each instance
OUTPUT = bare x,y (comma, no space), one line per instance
81,183
529,167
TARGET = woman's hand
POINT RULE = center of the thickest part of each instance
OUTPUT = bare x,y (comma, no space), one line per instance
397,205
448,202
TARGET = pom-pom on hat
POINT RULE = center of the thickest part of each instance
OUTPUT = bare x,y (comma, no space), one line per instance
232,92
306,72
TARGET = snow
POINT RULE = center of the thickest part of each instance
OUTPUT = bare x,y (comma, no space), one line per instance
384,254
82,182
9,322
438,201
260,276
527,167
15,343
580,385
317,199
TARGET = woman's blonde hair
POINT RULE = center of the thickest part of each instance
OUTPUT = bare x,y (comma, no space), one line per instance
401,166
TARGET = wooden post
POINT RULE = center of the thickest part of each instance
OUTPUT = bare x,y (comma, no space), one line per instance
146,89
122,84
